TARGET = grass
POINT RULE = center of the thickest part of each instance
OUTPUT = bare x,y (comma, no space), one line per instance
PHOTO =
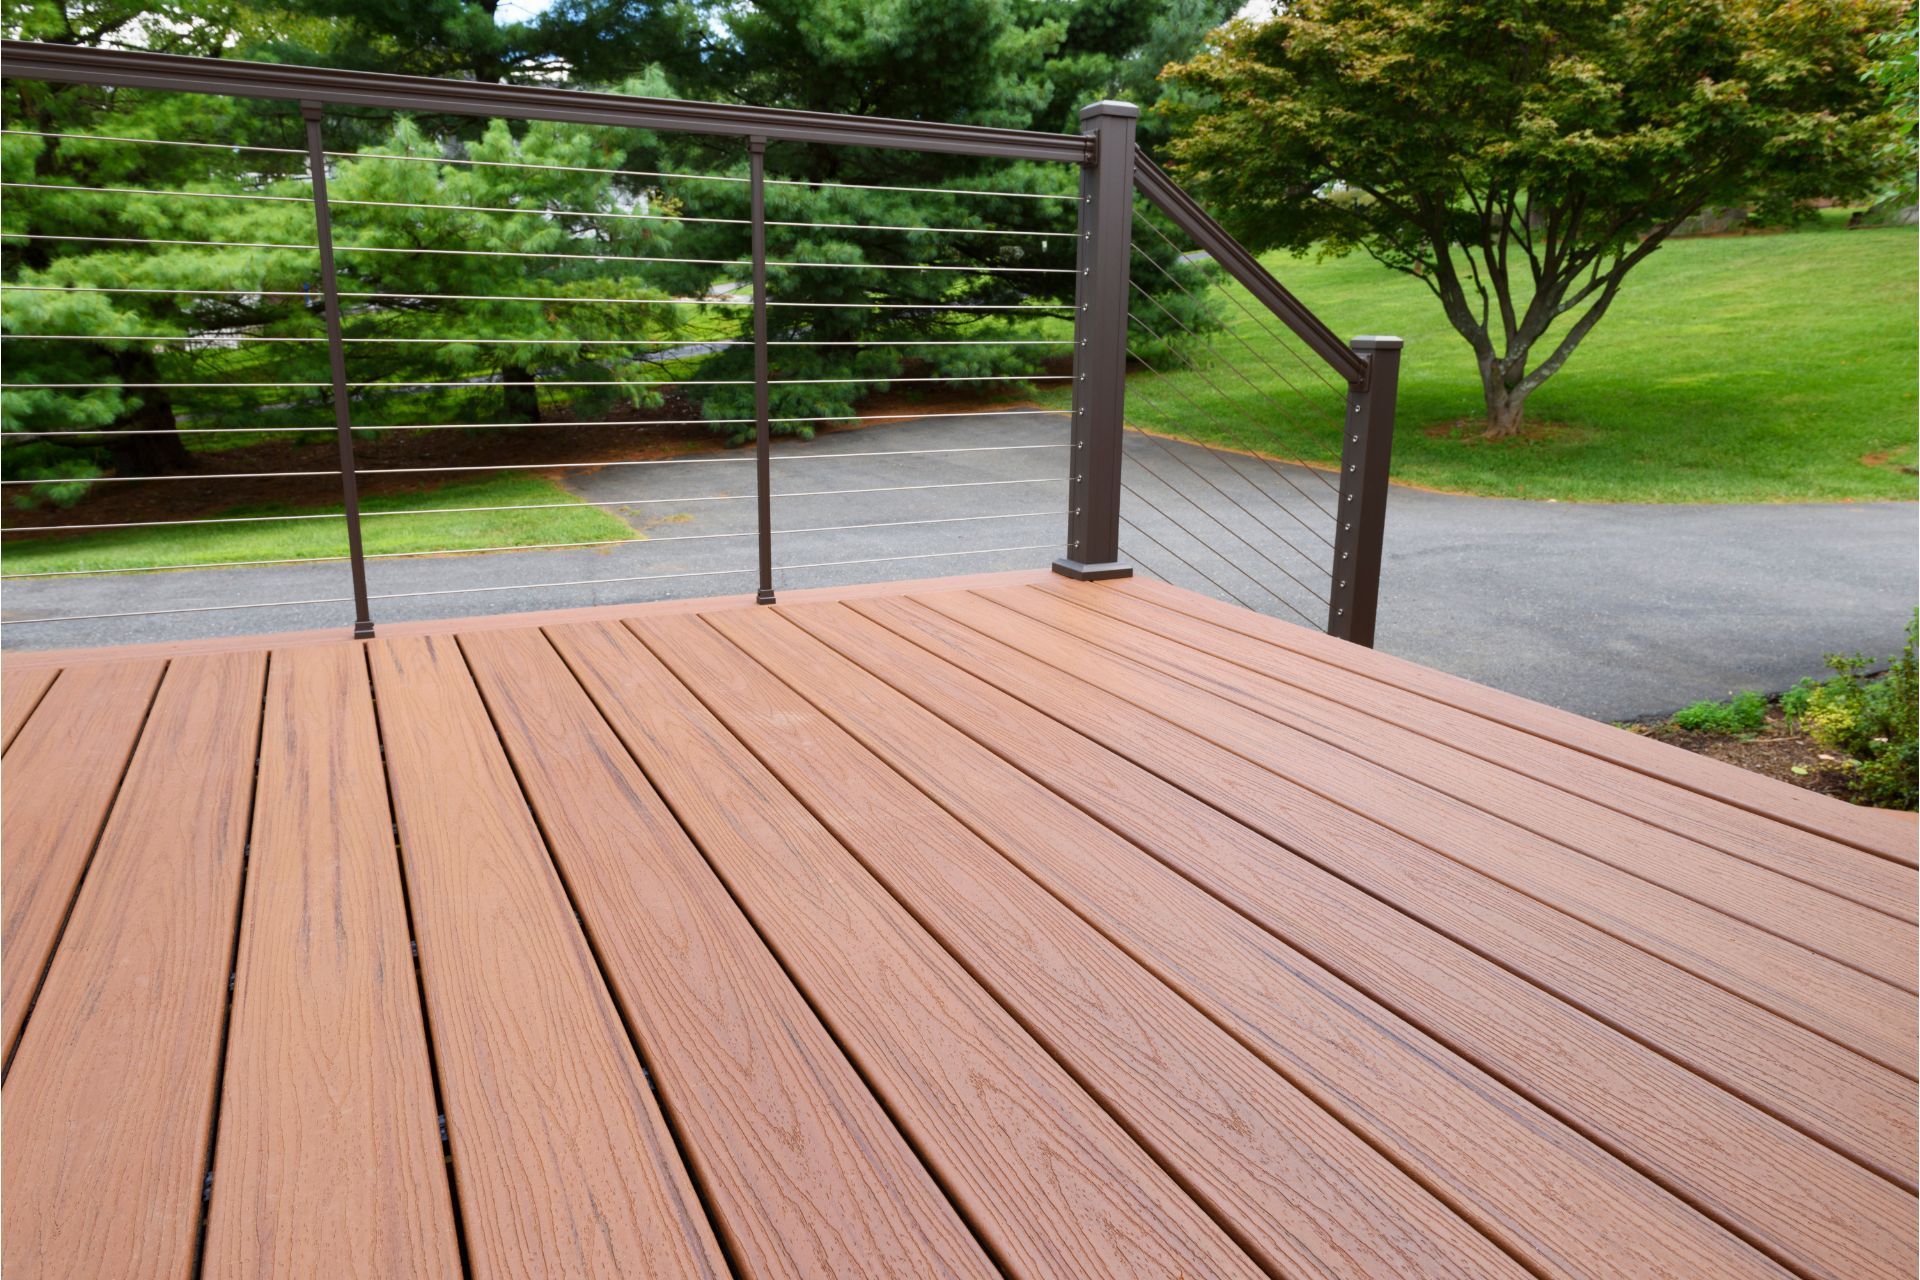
572,521
1766,368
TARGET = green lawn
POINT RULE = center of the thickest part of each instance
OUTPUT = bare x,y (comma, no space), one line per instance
303,539
1740,369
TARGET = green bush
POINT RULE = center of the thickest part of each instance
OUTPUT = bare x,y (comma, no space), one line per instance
1871,722
1745,712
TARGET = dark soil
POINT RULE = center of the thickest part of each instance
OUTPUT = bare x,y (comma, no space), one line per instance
1778,750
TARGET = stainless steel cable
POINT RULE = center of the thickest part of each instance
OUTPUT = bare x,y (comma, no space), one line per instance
462,341
932,191
1209,546
1289,511
544,382
1259,355
1285,413
525,506
6,287
1208,481
537,546
537,466
157,142
1174,555
938,231
980,269
148,191
1237,536
878,419
551,168
1248,480
1251,314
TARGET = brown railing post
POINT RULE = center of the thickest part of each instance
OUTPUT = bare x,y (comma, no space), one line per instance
1360,521
1100,345
762,399
337,356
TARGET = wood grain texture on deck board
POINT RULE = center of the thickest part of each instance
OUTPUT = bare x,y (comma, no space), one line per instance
1857,936
1866,1015
1813,859
1463,1133
59,780
109,1104
1244,833
1303,1194
328,1159
1793,1196
20,693
562,1161
806,1174
1878,832
1045,1177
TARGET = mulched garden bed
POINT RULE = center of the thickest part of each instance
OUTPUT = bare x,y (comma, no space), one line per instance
1779,751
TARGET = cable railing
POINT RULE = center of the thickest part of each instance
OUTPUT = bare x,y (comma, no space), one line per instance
352,302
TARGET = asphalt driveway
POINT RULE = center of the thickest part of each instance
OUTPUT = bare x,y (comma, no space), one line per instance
1611,611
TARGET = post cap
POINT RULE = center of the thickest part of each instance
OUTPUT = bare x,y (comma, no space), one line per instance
1376,342
1109,107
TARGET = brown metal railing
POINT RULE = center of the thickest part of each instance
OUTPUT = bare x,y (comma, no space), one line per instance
1104,311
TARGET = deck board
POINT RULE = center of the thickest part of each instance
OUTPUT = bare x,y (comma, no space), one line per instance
58,784
1862,1013
1775,1186
20,693
110,1098
1005,925
807,1175
1888,835
327,1079
1852,934
564,1161
1801,856
1011,1134
1241,1138
1255,840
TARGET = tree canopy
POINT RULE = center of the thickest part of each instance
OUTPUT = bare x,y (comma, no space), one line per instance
1521,159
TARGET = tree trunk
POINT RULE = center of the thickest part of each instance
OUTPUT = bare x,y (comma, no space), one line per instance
1506,404
522,399
152,445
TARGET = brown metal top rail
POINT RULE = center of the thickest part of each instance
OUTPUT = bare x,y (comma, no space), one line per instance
25,59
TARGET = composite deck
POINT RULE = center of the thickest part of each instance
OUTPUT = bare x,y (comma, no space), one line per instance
1005,926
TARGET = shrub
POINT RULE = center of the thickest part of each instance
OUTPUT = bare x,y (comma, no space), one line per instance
1871,722
1745,712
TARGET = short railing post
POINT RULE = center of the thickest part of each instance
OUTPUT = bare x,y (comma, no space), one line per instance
762,398
1100,345
1360,521
337,357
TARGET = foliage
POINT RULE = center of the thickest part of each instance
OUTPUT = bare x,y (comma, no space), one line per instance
858,317
1871,721
1521,159
273,337
1897,72
1744,713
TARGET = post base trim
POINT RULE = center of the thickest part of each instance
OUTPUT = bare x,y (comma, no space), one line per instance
1092,572
764,596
